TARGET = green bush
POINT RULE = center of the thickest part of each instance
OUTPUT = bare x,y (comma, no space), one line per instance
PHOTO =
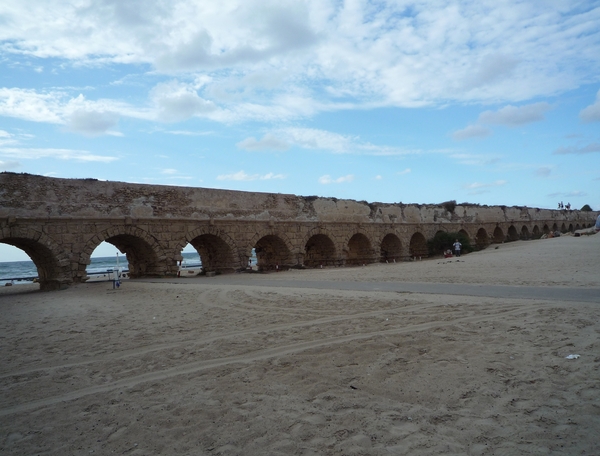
586,208
443,241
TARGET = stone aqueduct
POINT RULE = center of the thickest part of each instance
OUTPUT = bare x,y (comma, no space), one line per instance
59,223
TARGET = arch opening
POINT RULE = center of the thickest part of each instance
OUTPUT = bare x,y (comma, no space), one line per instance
536,232
141,258
272,253
570,227
46,268
391,248
498,235
554,227
359,250
524,233
563,228
215,254
482,239
545,229
319,251
513,235
418,246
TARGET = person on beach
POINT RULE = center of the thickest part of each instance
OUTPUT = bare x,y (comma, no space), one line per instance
457,245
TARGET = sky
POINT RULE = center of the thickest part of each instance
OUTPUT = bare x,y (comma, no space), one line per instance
487,102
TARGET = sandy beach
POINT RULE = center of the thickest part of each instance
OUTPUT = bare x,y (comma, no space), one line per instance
268,364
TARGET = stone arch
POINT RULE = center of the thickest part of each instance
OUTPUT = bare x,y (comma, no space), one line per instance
217,250
536,232
563,228
545,229
52,263
144,254
359,250
391,248
570,227
418,246
482,239
272,252
525,233
464,233
498,235
577,227
319,250
554,227
513,235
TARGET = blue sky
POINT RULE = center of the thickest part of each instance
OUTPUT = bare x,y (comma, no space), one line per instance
489,102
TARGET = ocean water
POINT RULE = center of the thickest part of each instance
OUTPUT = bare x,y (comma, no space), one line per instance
26,270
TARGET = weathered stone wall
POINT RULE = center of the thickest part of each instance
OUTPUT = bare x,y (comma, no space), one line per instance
59,223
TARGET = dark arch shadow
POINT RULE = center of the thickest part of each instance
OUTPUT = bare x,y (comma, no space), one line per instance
482,239
359,250
513,235
545,229
216,254
418,246
143,260
525,233
272,253
391,248
499,235
319,251
535,234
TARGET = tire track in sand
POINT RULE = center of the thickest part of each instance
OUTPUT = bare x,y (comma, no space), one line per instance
248,358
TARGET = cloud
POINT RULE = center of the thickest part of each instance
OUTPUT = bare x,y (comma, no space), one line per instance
268,142
316,139
30,105
176,102
337,54
477,188
589,149
475,159
243,176
514,116
327,179
78,114
592,112
378,177
493,68
7,165
472,131
92,123
403,172
543,171
170,171
59,154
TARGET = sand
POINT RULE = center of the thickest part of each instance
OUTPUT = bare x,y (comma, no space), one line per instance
205,366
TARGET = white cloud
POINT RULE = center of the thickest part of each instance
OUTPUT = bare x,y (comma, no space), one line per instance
92,123
378,177
169,171
243,176
268,142
472,131
477,188
475,159
59,154
312,138
592,112
91,118
589,149
7,165
333,54
513,116
176,101
404,171
327,179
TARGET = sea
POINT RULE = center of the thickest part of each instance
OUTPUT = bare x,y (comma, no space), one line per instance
23,272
